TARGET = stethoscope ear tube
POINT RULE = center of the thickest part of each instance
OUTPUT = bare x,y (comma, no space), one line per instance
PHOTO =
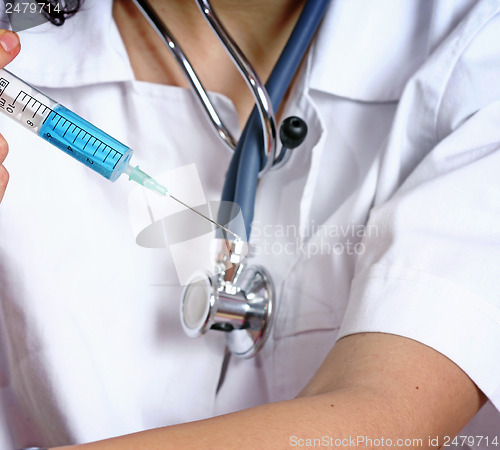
190,74
264,105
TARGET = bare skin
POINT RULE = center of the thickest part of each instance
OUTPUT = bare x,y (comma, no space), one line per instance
371,385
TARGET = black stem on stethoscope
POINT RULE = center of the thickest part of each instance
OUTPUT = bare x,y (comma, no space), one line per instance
293,131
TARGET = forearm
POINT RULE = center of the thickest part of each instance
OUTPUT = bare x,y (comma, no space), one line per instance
374,386
340,415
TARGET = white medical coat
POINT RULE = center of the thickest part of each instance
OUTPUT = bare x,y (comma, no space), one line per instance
385,219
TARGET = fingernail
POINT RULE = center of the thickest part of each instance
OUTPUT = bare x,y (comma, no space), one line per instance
9,41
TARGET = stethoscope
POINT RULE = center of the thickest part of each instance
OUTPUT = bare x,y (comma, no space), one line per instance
240,299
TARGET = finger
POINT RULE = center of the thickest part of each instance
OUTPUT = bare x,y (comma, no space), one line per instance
4,179
9,47
4,149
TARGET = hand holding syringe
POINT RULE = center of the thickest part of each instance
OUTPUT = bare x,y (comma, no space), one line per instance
9,49
75,136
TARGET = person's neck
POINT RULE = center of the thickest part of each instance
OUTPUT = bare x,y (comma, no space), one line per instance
260,28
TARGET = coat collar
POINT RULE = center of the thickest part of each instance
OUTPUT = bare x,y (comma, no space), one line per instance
89,50
364,50
368,50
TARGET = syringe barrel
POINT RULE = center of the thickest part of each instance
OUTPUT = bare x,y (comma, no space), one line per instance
62,127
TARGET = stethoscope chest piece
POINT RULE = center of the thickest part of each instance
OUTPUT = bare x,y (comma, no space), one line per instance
241,305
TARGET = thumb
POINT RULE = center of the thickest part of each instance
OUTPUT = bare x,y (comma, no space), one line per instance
9,47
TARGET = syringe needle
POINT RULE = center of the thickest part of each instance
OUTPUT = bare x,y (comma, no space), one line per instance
205,217
137,175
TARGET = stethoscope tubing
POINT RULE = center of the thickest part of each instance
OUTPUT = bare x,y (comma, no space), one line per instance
242,177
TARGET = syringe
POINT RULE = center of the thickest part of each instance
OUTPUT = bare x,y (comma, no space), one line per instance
75,136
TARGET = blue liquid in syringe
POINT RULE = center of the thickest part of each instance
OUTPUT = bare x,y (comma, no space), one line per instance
74,136
85,142
69,132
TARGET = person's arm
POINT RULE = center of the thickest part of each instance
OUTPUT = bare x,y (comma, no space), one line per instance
9,49
371,386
